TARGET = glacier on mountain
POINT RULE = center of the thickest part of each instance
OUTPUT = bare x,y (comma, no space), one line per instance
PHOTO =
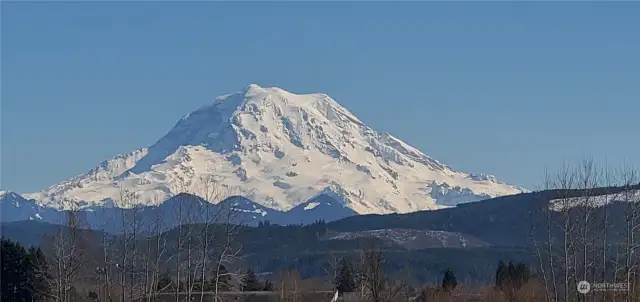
280,150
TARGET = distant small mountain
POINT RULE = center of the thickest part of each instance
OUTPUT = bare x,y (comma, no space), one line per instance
179,209
37,233
322,207
14,207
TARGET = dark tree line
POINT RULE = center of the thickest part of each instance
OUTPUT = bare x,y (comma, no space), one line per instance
24,273
251,283
371,278
510,278
512,275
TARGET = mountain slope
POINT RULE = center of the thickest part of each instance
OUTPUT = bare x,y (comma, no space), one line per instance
280,150
321,207
14,207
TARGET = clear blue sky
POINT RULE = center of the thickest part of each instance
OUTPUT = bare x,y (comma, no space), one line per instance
499,88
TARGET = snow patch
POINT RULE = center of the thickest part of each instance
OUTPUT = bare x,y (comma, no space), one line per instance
311,206
595,201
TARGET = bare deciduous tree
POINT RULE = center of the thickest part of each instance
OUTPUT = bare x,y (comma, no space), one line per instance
372,276
69,254
581,212
331,266
228,249
288,286
631,199
158,242
179,219
130,227
210,193
104,271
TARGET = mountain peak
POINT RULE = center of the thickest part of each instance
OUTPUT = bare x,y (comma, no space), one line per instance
281,149
253,88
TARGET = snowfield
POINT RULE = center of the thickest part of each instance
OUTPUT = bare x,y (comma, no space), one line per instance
278,149
632,196
415,239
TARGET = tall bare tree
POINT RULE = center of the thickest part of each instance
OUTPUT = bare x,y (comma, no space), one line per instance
607,181
581,212
372,276
566,183
179,213
550,250
631,199
157,243
228,248
331,266
588,184
104,271
209,216
538,254
128,267
69,254
190,265
288,286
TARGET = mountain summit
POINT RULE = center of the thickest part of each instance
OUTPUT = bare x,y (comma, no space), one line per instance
281,150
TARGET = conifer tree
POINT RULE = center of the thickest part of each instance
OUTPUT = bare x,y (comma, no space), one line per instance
511,273
522,275
449,281
23,276
501,275
164,283
268,286
345,280
39,277
511,276
251,283
224,280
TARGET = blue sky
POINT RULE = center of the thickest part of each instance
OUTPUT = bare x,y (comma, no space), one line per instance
507,89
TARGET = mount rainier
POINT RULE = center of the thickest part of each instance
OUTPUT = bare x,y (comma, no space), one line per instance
280,150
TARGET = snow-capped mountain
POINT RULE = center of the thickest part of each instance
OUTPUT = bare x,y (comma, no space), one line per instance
280,150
